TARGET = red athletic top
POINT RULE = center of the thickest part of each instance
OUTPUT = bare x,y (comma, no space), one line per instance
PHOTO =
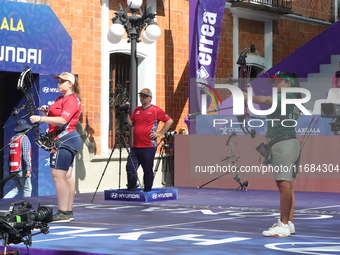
69,108
145,121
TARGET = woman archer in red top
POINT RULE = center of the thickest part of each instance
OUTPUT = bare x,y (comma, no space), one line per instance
62,118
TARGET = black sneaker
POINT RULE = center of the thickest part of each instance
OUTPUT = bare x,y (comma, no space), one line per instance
70,215
61,217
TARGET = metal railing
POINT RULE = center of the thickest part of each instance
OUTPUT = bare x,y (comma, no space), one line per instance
281,4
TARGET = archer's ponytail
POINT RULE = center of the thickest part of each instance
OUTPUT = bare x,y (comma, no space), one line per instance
76,87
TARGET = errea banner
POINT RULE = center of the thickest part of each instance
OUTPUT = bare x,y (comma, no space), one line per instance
31,35
206,19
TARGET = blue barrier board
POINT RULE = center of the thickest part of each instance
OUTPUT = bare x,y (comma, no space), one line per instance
139,195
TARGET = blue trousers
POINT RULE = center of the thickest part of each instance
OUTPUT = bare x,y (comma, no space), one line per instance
140,157
20,183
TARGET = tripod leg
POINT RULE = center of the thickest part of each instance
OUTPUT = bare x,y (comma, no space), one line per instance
107,163
171,169
120,166
158,162
167,166
164,169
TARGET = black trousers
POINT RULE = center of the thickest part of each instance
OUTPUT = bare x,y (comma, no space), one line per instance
140,157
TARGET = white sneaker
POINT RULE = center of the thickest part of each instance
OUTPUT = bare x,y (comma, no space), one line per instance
290,225
279,230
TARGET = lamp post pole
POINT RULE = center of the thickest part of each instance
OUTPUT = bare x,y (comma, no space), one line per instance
133,25
133,68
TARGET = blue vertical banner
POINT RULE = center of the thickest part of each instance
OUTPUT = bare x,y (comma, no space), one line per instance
32,35
206,19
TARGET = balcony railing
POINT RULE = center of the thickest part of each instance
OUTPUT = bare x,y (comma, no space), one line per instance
277,4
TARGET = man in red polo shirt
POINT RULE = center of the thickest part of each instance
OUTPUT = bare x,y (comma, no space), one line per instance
145,121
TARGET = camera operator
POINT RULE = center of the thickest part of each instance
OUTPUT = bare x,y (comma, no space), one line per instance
145,121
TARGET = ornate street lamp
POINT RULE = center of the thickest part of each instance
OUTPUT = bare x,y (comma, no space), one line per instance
134,25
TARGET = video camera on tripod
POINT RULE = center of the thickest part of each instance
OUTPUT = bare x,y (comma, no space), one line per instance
167,135
122,108
165,159
15,224
122,111
332,111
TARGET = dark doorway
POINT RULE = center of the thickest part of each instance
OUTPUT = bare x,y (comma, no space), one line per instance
119,94
9,99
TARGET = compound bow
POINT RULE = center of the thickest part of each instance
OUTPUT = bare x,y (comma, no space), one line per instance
27,85
234,159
